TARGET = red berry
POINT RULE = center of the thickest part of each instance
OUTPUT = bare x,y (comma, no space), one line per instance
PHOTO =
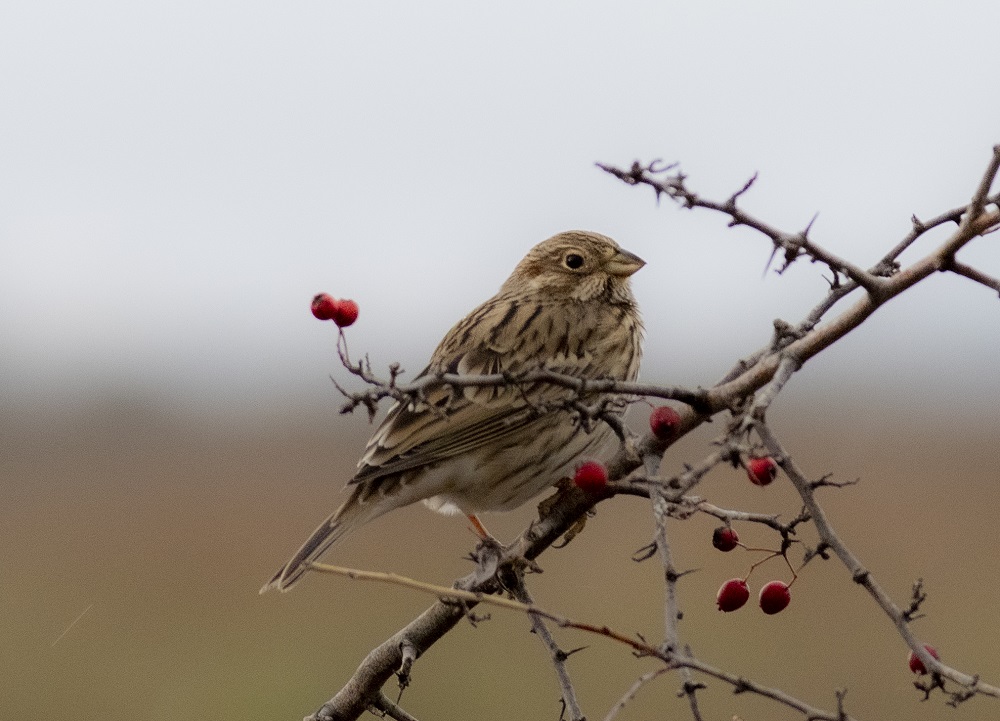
916,665
725,539
733,594
664,422
774,597
323,306
345,312
761,471
591,476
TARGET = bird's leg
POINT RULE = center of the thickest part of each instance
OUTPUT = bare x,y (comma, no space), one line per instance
480,529
491,555
488,551
487,554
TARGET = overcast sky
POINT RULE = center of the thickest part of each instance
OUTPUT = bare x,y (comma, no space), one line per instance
177,179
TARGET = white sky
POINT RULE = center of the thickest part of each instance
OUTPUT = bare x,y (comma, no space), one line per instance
177,179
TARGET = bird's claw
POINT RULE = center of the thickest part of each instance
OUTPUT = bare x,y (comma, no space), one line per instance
572,532
494,560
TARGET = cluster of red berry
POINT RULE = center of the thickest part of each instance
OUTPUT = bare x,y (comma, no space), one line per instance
775,596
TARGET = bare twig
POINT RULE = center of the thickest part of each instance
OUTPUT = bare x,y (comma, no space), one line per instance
917,598
670,574
860,574
633,690
391,709
671,641
975,209
453,595
975,275
521,594
415,392
675,487
793,244
763,399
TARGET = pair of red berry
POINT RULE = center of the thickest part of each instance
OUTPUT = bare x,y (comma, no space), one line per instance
341,312
774,596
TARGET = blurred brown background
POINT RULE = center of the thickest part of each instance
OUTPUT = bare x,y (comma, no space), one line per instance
165,525
177,179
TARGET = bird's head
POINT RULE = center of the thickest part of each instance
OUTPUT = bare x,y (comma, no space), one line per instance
576,265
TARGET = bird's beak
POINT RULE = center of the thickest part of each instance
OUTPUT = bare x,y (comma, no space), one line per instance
624,264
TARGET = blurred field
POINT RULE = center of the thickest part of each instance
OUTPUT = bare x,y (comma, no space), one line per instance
165,526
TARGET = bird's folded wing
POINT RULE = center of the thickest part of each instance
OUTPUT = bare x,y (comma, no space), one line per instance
411,439
453,421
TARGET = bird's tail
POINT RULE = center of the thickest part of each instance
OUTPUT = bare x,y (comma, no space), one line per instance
350,515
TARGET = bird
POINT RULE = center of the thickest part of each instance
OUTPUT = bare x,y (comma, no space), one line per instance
567,307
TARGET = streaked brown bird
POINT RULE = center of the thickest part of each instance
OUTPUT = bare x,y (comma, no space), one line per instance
567,307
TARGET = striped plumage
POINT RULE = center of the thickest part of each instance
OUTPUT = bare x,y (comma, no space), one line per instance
568,307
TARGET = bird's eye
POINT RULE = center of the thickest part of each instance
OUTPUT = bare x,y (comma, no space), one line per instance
574,261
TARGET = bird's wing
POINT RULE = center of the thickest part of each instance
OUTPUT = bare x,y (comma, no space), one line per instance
451,422
521,337
493,338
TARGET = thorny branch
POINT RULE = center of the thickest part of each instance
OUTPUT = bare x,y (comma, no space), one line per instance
559,657
671,657
672,614
860,574
746,391
416,392
633,691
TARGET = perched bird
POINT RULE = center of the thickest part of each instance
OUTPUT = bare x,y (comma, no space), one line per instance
567,307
